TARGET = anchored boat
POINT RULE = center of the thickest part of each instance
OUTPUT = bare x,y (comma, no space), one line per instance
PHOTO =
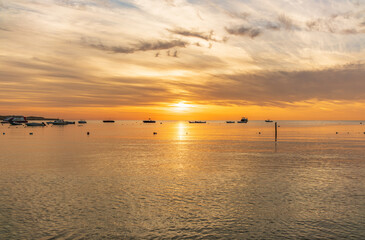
149,121
243,120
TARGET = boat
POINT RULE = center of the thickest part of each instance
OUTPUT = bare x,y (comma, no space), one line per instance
149,121
108,121
243,120
15,123
35,124
197,122
82,122
268,120
69,122
230,121
59,122
15,120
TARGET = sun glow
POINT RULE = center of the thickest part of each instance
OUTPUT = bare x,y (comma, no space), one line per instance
181,107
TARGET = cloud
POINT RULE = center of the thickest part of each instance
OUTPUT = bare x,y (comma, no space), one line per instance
192,33
275,88
141,46
244,31
348,23
287,23
4,29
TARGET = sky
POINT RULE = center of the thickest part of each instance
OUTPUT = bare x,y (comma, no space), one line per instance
183,59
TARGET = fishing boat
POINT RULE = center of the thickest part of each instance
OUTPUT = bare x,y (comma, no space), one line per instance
82,122
243,120
268,120
230,121
197,122
35,124
149,121
108,121
59,122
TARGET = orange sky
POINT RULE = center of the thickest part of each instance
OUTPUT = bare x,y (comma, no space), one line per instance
183,59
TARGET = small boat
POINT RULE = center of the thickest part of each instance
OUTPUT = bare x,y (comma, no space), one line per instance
15,123
268,120
108,121
149,121
243,120
59,122
82,122
35,124
197,122
69,122
16,120
230,121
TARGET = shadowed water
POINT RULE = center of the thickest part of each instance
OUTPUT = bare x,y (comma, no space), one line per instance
204,181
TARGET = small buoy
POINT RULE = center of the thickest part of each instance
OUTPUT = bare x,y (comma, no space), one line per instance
88,133
4,133
154,133
259,132
364,132
30,133
336,132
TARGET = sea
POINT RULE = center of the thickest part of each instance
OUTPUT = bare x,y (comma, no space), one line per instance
178,180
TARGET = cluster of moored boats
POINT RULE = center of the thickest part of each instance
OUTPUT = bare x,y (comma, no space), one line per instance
20,120
243,120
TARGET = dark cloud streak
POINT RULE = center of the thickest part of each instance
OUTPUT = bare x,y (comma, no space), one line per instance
244,31
141,46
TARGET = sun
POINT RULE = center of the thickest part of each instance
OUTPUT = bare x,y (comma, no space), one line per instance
181,106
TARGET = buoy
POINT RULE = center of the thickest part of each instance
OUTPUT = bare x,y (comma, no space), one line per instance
336,132
154,133
88,133
4,133
30,133
259,132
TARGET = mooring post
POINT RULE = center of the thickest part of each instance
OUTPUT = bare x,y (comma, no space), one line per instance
276,131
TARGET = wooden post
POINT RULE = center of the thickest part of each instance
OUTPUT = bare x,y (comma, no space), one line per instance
276,131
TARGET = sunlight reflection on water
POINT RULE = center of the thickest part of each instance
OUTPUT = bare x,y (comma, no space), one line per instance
212,180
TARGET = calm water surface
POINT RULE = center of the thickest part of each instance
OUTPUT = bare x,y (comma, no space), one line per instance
205,181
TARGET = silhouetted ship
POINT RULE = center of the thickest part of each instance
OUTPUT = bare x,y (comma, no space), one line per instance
82,122
149,121
243,120
230,121
268,120
35,124
108,121
197,122
59,122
